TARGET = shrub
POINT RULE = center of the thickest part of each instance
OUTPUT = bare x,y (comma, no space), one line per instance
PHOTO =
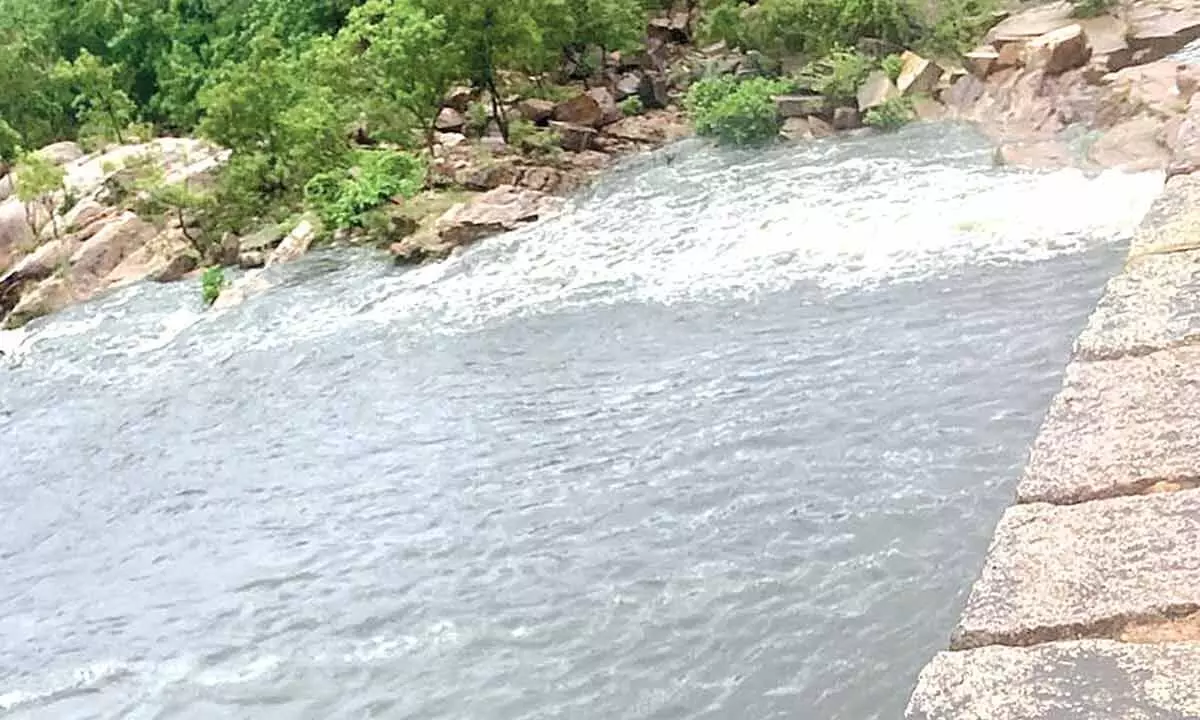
891,115
211,283
36,182
818,26
722,22
531,140
955,26
1091,8
837,75
478,117
737,113
341,197
632,105
892,65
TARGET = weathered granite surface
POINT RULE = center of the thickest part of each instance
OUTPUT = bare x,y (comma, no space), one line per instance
1173,222
1084,680
1154,304
1097,569
1119,427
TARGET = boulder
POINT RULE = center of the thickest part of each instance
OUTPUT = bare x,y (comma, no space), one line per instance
104,251
1010,54
917,74
6,186
1032,22
48,296
542,179
261,241
166,257
653,92
846,118
250,259
297,243
655,127
629,84
609,112
458,98
535,110
579,110
877,89
450,120
1132,145
819,128
795,106
61,153
573,137
15,233
1058,51
487,176
979,62
796,128
496,211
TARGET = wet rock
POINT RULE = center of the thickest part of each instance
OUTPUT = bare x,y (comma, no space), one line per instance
1132,145
542,179
1159,29
917,74
1110,567
296,244
1042,153
654,127
48,296
819,128
450,120
1058,51
846,118
1152,305
799,106
504,208
1118,427
535,110
796,128
575,138
927,109
261,241
1072,680
250,259
877,89
228,250
582,110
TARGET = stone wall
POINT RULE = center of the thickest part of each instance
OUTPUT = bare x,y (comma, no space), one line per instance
1088,605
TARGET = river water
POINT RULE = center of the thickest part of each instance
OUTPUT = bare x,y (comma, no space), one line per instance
725,440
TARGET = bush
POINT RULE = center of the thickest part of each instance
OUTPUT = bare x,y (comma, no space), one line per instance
632,105
531,140
341,197
737,113
955,26
837,75
818,26
892,65
891,115
211,283
478,117
1091,8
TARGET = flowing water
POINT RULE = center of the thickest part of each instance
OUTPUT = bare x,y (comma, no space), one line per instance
725,440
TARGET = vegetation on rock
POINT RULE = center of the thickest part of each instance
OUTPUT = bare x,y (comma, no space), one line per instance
211,283
891,115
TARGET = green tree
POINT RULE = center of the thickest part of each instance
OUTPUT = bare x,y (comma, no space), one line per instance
402,64
37,182
101,105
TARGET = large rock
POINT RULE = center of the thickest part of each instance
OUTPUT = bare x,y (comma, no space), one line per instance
101,253
61,153
535,110
487,175
796,128
917,74
1058,51
1032,22
296,244
1124,567
653,92
579,110
1132,145
796,106
1074,680
1153,304
1119,427
458,98
15,233
166,257
609,112
449,120
499,210
979,62
654,127
877,89
1159,29
629,84
575,138
846,118
48,296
